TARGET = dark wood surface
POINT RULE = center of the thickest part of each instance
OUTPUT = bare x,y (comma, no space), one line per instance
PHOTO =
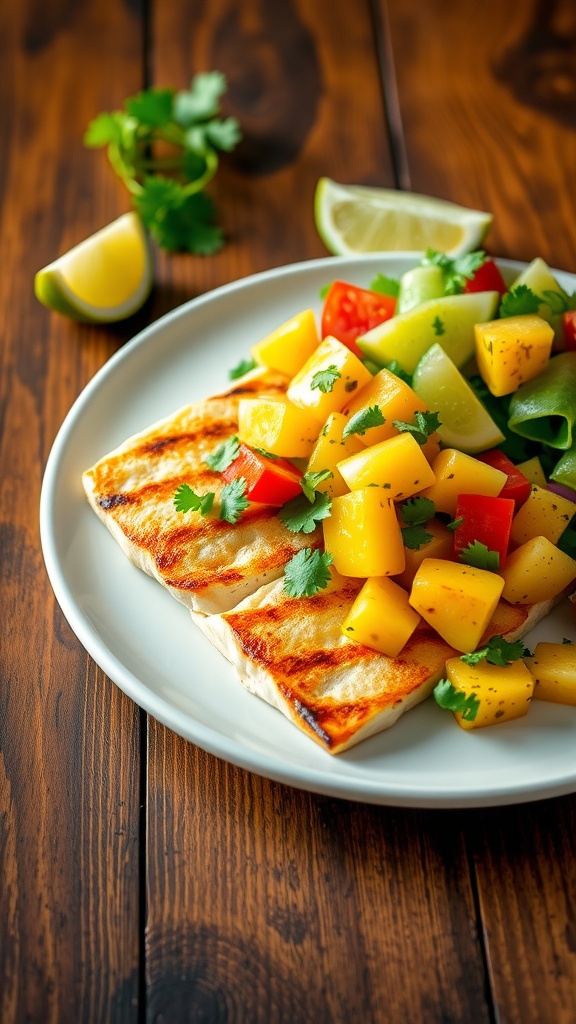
143,879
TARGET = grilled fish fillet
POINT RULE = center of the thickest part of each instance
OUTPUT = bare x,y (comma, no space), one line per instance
207,564
292,653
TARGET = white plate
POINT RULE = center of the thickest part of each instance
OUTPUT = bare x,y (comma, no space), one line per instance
145,641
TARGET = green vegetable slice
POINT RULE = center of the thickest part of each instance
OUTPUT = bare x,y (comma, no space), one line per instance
544,409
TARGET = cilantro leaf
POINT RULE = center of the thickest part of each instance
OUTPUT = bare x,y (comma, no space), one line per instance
518,301
300,515
243,367
415,537
478,555
455,523
307,573
104,129
153,107
224,134
456,271
423,424
233,500
267,455
363,420
201,100
497,651
325,380
438,326
448,697
178,221
185,500
385,285
224,455
398,371
416,511
324,291
310,481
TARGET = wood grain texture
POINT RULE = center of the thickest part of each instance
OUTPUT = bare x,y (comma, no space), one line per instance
69,741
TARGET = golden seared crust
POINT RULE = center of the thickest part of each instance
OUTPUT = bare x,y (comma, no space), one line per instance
206,563
292,653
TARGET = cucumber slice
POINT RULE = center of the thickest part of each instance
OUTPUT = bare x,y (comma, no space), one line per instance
448,320
419,285
538,276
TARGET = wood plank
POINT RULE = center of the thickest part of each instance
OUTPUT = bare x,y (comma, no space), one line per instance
69,741
266,904
487,121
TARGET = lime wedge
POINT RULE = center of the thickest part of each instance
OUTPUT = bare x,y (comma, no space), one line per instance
353,219
465,422
106,277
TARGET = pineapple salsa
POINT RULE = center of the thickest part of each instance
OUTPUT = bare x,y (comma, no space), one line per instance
429,427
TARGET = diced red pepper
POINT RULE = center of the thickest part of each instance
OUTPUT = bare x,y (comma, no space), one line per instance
350,311
517,486
487,279
269,480
487,520
569,325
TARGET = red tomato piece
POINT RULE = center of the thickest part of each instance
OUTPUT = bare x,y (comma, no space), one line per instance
269,480
487,520
350,311
487,279
569,325
517,486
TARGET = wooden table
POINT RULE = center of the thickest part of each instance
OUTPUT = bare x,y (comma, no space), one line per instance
143,879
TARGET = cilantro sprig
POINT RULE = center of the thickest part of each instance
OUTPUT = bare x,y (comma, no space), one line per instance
307,573
479,556
423,424
168,190
233,500
363,420
456,271
497,651
324,380
415,512
185,500
303,513
519,301
224,455
451,699
242,368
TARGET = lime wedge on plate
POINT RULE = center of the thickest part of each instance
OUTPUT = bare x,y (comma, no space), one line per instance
106,277
465,423
355,219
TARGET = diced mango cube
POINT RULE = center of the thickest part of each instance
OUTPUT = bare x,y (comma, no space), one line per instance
276,425
395,399
456,473
397,465
441,545
543,514
537,571
503,692
381,617
363,536
532,470
327,379
329,450
554,669
457,600
512,350
288,347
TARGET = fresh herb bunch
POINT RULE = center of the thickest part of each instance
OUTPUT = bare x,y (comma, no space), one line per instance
168,188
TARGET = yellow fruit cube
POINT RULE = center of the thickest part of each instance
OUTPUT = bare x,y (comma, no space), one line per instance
441,545
363,536
276,425
536,571
381,617
532,470
456,473
397,465
554,669
543,514
329,450
395,399
327,379
288,347
512,350
502,692
457,600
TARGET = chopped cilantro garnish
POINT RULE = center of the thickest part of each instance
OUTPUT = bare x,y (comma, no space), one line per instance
398,371
455,271
416,511
518,301
423,424
185,500
455,523
478,555
243,367
363,421
415,537
300,515
224,455
325,380
267,455
307,573
497,651
451,699
233,500
324,291
385,285
310,481
438,326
